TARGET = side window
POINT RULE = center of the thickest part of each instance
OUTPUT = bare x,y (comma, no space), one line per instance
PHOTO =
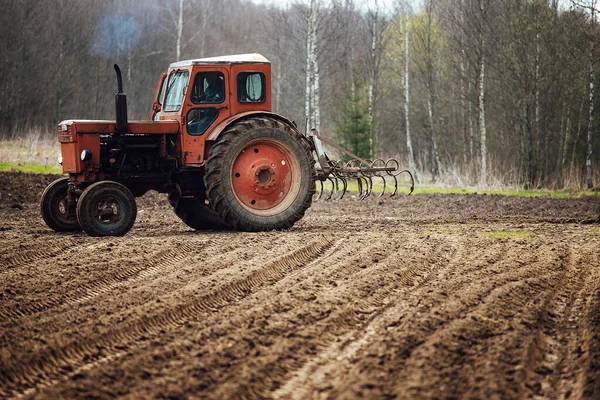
175,90
161,95
209,88
199,119
251,87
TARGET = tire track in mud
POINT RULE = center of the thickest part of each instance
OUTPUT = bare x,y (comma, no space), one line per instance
147,267
543,350
560,350
589,378
48,367
346,341
36,252
427,327
319,331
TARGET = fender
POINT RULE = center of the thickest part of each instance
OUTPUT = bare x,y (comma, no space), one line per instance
217,130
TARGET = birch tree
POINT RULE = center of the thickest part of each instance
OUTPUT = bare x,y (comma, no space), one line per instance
409,147
481,102
592,77
312,100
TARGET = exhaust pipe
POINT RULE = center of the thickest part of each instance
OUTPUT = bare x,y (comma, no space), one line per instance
120,104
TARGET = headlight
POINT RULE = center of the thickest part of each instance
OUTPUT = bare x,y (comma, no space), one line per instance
60,159
64,127
86,155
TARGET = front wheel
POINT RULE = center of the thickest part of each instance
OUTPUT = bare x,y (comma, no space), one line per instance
106,208
55,207
260,175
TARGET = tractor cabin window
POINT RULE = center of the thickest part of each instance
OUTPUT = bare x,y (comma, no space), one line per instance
251,87
176,90
209,88
199,119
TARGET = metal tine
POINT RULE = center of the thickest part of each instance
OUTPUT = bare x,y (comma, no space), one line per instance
320,191
395,186
369,185
384,185
360,190
365,193
333,189
379,163
364,166
344,188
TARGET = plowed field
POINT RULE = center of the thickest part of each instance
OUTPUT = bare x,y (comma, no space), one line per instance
445,296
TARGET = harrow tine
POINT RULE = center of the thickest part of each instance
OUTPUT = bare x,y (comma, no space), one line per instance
368,187
333,189
360,189
344,188
320,191
395,186
384,185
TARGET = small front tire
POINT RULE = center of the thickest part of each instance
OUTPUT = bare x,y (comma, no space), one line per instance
106,208
55,208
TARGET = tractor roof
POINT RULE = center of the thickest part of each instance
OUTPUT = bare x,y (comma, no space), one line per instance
252,58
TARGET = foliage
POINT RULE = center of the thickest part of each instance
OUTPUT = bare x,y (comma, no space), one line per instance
354,130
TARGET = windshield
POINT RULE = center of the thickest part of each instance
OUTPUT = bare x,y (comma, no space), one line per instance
175,90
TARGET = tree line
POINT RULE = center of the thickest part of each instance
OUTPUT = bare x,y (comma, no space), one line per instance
461,91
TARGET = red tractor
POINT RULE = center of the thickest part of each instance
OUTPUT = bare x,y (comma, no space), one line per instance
213,144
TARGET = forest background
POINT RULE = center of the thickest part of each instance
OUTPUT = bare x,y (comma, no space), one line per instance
463,92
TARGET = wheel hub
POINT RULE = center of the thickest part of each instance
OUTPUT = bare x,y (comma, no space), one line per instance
262,175
107,210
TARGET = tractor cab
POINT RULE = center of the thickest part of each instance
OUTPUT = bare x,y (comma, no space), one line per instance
203,94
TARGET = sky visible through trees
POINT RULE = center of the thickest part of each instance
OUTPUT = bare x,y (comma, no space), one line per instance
468,92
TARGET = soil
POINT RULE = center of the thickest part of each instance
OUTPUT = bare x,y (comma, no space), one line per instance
438,296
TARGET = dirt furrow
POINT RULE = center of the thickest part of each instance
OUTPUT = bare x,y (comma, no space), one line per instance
548,346
283,301
53,363
431,346
315,374
35,252
586,356
144,267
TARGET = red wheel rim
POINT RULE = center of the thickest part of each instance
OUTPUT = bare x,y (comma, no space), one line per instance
265,177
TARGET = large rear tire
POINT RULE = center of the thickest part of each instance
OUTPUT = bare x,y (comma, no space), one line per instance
106,208
55,208
260,175
195,214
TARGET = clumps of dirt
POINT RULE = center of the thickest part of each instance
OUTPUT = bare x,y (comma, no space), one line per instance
20,188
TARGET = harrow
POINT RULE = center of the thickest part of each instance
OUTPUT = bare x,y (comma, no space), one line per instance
338,172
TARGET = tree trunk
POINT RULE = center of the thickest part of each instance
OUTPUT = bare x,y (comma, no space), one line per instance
482,129
430,84
409,148
179,30
312,100
375,42
588,153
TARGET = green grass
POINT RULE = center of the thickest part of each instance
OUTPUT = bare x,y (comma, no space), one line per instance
30,167
507,234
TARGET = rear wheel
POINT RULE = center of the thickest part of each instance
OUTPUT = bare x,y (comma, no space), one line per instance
55,207
260,175
106,209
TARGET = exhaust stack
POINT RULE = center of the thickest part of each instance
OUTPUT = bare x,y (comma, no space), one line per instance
120,104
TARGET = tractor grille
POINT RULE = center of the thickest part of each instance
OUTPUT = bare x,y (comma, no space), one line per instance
65,136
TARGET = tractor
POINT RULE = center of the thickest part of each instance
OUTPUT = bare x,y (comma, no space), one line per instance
212,144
